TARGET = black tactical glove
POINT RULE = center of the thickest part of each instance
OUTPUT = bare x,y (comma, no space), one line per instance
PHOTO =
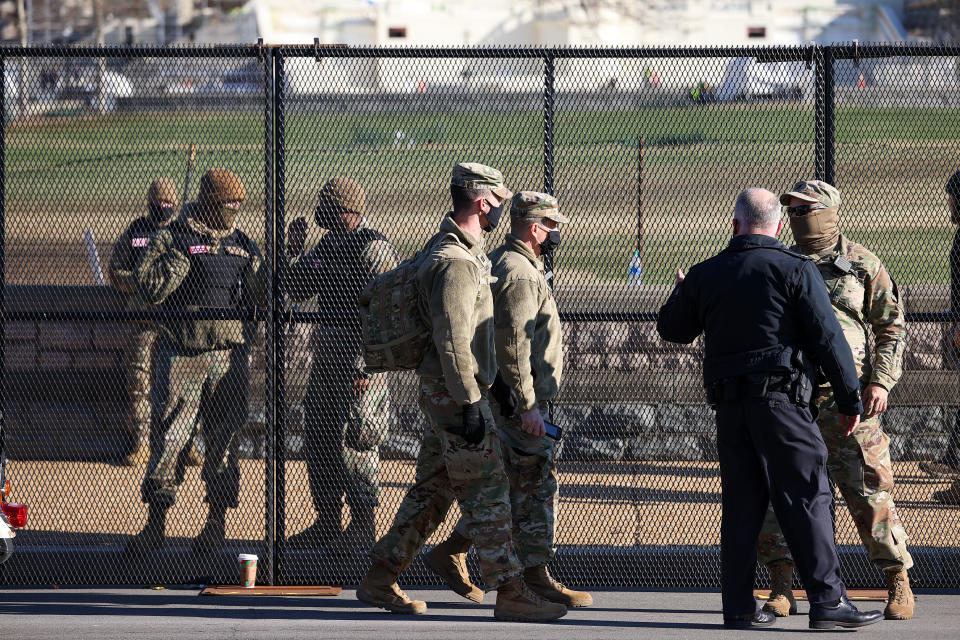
504,396
474,426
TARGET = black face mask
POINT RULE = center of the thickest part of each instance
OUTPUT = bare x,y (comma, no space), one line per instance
551,242
494,215
160,215
330,220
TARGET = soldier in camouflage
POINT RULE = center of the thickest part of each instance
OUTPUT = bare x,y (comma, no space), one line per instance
529,351
865,299
460,456
199,261
346,410
162,203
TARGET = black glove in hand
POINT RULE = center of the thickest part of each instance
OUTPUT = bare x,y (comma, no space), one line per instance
474,426
504,396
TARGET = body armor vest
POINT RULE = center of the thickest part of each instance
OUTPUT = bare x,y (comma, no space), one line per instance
214,279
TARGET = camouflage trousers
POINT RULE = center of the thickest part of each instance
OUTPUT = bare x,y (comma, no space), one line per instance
859,464
449,468
531,467
212,386
342,433
138,361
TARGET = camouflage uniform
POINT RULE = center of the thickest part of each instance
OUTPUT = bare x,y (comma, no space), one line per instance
138,358
864,298
530,358
201,366
342,429
456,371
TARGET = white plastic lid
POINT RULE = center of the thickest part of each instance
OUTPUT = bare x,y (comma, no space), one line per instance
246,556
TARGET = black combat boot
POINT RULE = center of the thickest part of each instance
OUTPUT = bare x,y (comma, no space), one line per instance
326,528
152,536
842,614
212,536
361,533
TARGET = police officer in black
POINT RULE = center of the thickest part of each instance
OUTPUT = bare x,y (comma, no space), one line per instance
765,316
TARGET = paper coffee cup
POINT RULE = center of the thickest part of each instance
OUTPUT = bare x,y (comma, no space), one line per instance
248,570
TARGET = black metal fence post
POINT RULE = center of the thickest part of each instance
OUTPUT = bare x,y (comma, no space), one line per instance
270,251
819,109
278,364
3,285
548,113
829,104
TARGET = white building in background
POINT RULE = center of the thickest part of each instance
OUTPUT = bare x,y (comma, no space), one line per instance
578,22
413,23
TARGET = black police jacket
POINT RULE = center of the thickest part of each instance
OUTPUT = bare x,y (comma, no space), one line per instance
757,302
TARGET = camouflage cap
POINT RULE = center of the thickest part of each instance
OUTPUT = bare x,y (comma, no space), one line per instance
813,191
343,194
163,190
533,204
221,185
473,175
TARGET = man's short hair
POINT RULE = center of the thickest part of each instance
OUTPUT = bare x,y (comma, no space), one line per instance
463,198
757,208
518,224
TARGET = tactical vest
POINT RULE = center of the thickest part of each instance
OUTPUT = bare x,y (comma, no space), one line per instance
339,256
139,233
214,279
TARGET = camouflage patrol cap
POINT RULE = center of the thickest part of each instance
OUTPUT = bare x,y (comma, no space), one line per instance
221,185
473,175
533,204
813,191
162,190
342,194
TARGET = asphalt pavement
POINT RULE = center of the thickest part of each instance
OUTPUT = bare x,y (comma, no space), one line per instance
180,613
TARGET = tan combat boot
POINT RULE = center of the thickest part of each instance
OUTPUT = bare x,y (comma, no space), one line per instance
448,560
900,602
379,589
140,454
517,603
781,602
542,583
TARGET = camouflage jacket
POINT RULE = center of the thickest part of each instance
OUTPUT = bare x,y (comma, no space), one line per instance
163,267
864,295
526,324
454,281
126,254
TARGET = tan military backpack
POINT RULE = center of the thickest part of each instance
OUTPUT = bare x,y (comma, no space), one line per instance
395,334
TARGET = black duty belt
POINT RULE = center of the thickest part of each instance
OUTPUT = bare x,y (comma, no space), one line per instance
758,386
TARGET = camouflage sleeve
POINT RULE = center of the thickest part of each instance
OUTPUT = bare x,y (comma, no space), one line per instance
451,305
886,317
515,315
122,267
161,268
379,257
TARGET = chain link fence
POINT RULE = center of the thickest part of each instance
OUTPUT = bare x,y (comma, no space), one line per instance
106,415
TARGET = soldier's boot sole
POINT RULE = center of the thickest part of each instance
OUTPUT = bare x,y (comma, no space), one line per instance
447,571
414,607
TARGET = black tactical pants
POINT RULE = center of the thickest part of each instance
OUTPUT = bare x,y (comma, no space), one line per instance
771,449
